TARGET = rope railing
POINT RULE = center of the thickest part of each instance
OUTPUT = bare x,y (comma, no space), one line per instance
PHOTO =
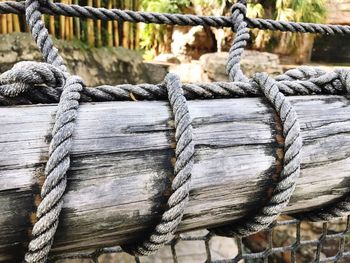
12,7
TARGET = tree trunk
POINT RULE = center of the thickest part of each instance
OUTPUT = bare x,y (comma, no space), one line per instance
120,173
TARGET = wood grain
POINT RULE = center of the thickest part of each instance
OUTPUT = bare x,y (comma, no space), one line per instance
121,166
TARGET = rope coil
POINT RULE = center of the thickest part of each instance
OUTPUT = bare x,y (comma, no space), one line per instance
171,218
291,165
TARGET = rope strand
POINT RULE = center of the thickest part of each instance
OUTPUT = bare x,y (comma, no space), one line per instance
12,7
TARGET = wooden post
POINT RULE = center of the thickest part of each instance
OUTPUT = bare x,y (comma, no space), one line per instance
137,28
120,173
16,24
110,27
3,23
9,23
71,25
90,28
77,27
126,27
62,24
98,28
52,26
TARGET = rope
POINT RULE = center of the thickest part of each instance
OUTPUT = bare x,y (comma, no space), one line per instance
291,165
239,11
341,207
300,81
12,7
60,146
171,218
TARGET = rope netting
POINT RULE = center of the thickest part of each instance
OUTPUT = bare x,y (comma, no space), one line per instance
329,242
31,82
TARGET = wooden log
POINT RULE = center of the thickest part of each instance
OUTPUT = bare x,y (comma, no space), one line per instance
109,27
121,167
90,27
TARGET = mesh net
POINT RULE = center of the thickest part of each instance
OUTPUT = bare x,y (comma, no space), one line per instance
287,240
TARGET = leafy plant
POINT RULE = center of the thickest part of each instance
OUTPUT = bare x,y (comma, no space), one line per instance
313,11
157,38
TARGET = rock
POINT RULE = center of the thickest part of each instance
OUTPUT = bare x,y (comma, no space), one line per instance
96,66
157,70
338,12
192,42
223,248
214,64
285,236
167,58
331,49
188,72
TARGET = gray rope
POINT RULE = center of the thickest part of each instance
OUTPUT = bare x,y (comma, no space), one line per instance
239,12
291,165
41,34
342,207
24,75
300,81
12,7
171,218
58,164
21,78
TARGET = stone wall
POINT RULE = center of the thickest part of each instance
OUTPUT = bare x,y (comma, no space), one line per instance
339,12
96,66
334,49
214,65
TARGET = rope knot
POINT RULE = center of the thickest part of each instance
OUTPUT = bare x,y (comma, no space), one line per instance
344,76
24,75
240,7
43,2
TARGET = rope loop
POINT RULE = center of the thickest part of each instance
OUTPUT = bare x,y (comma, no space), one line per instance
239,43
238,9
291,164
26,74
41,34
60,147
344,76
341,207
184,152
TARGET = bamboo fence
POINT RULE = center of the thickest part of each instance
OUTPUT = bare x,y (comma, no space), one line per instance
95,33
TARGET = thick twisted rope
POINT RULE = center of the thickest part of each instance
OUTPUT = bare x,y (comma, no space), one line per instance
242,36
300,81
291,129
12,7
184,152
24,75
291,165
41,34
342,207
60,146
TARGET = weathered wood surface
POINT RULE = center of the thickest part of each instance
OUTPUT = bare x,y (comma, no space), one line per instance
121,166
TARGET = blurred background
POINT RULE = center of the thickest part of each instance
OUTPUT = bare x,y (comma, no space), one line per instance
118,52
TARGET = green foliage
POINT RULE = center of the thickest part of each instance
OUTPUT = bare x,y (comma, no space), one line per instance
313,11
153,36
255,10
